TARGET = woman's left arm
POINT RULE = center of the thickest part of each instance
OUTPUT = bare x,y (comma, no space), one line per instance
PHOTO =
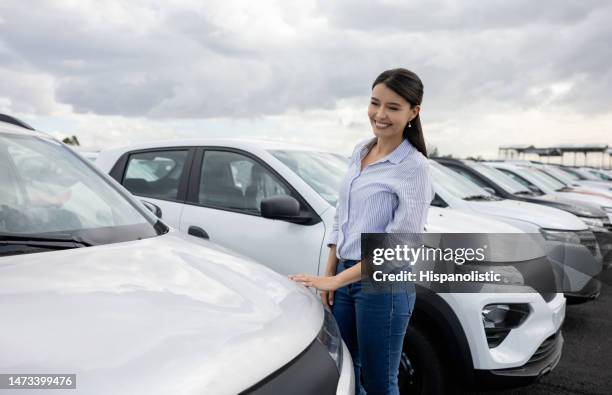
330,283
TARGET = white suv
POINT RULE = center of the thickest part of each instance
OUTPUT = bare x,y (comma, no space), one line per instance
228,191
93,284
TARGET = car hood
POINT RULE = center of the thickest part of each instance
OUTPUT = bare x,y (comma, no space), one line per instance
448,220
542,216
566,203
168,314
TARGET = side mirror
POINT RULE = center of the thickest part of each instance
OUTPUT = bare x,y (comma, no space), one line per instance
438,201
153,208
283,207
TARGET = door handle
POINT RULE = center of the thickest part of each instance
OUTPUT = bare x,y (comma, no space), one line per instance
198,232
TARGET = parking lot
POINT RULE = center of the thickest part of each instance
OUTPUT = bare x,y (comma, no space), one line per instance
586,365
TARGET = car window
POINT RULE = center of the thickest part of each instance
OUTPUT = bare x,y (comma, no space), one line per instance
323,171
518,178
234,181
509,184
155,174
458,186
46,189
469,176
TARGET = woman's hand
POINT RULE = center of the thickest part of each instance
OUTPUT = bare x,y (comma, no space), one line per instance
327,297
322,283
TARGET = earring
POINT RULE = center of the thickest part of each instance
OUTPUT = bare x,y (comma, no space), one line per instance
409,124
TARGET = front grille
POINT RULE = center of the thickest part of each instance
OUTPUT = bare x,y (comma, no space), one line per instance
546,349
587,239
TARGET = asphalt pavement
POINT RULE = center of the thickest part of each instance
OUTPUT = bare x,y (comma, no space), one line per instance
586,363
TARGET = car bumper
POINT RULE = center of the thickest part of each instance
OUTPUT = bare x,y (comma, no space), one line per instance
543,361
590,291
604,239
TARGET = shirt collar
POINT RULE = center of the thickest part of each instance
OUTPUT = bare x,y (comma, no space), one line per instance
396,156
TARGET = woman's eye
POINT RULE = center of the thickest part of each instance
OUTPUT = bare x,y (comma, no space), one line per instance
393,108
373,103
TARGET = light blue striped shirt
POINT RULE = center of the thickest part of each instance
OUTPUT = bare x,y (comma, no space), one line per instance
391,195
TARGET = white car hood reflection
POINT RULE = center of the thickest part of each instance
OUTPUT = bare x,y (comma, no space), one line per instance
159,315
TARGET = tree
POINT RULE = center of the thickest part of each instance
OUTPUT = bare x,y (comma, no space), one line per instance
71,141
432,150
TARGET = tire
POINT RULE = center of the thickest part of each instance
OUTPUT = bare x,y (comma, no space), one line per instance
421,369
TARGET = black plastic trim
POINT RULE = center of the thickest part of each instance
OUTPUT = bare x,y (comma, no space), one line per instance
15,121
434,309
590,291
312,372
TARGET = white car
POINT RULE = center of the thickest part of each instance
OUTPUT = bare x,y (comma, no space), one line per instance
93,284
228,191
456,191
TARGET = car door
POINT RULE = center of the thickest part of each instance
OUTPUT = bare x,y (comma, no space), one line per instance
224,195
159,176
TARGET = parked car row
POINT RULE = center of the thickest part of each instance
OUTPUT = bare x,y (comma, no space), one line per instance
185,276
275,202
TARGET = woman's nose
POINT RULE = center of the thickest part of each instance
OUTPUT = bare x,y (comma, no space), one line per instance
381,113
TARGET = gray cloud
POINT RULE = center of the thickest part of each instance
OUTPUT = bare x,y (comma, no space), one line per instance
450,15
199,62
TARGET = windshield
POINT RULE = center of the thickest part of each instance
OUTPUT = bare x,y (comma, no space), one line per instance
456,184
587,174
501,179
45,189
560,175
600,174
323,171
551,181
573,173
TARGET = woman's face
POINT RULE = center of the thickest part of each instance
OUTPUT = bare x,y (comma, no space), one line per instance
389,113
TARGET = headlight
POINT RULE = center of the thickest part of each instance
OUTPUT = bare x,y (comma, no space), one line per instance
578,211
595,224
586,238
330,337
499,319
562,236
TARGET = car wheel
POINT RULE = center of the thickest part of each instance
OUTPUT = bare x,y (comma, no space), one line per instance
421,370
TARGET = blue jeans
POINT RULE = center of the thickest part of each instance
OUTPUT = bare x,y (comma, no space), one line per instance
373,326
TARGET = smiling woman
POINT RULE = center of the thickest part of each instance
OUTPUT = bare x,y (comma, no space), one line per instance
389,188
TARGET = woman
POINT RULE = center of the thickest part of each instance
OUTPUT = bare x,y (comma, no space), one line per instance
387,189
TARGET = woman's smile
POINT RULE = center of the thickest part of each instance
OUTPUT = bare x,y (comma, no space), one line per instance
381,125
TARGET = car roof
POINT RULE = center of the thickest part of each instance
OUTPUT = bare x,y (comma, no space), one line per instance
218,142
6,127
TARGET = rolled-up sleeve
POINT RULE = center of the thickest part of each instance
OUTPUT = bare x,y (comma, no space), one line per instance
414,193
332,237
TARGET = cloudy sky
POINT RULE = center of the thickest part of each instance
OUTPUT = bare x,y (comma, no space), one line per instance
495,72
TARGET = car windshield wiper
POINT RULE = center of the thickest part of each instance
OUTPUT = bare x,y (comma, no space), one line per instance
58,240
479,197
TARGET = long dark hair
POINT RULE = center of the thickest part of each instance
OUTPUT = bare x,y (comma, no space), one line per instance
409,86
